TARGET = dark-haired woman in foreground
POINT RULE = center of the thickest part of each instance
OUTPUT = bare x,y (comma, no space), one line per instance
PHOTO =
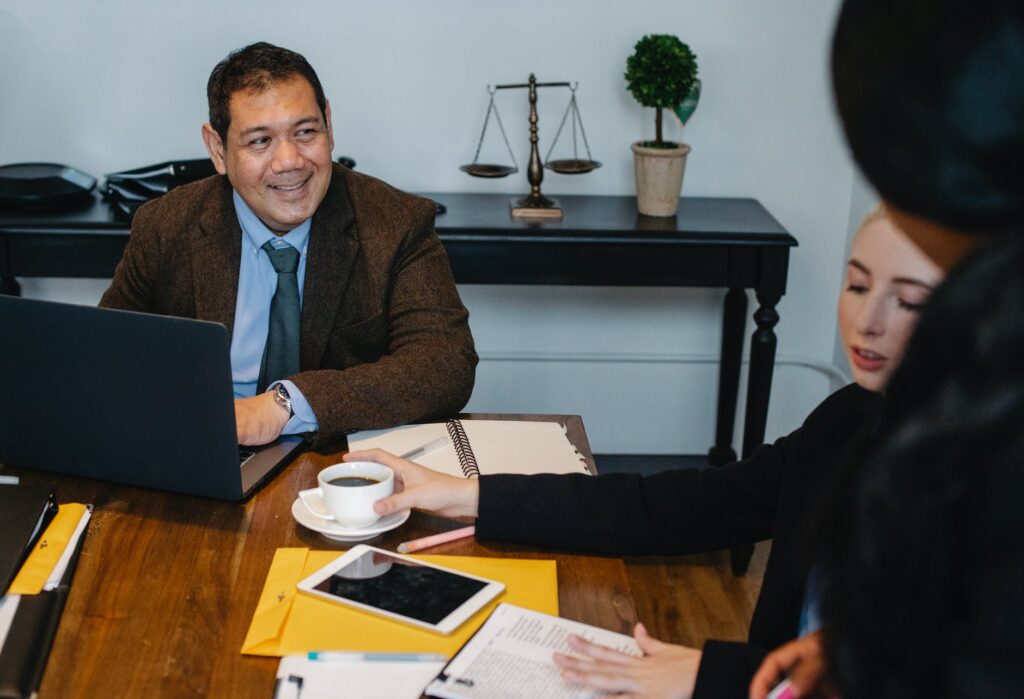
923,566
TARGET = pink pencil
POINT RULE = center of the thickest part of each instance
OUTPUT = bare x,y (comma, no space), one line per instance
442,538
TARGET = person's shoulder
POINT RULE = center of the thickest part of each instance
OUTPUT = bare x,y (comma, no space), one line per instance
374,199
851,403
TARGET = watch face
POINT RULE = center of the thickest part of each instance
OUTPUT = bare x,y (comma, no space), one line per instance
283,399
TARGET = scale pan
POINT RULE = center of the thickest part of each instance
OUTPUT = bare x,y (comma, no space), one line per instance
572,166
486,170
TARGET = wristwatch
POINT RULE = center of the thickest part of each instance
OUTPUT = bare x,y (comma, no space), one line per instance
282,398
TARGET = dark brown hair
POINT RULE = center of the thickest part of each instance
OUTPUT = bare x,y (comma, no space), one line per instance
922,559
255,67
931,96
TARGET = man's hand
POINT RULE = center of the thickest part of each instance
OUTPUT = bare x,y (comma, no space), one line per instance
418,487
803,660
259,420
666,671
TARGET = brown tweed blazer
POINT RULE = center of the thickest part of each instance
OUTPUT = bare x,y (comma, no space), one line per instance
384,338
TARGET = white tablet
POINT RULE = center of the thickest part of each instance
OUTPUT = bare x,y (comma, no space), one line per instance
401,588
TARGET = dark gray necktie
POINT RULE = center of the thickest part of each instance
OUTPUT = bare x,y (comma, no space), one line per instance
281,355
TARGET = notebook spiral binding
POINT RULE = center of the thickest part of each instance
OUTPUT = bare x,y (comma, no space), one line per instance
463,449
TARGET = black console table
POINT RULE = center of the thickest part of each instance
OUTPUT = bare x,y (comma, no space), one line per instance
733,244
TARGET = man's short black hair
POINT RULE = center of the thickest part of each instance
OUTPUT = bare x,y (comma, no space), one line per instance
255,67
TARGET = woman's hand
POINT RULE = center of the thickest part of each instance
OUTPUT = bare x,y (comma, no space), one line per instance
665,670
802,660
421,488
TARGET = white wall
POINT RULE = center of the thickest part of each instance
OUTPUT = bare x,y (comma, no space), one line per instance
109,85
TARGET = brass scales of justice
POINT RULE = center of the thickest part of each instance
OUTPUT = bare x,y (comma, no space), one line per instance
535,204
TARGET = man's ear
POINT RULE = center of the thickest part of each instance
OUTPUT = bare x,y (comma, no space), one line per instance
215,147
330,126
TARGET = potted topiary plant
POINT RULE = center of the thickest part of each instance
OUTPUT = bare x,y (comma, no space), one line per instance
661,73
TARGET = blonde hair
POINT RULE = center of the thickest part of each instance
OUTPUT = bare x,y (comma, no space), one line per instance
876,214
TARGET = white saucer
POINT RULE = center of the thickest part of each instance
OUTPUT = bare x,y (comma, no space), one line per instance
333,530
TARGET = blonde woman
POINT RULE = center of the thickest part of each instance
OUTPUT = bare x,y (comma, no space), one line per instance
769,495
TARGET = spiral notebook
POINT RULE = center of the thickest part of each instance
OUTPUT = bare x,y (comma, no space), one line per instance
474,447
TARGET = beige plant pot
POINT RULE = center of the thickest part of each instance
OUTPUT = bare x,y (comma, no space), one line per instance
659,178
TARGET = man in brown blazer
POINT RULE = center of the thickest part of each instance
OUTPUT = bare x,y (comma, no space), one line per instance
379,336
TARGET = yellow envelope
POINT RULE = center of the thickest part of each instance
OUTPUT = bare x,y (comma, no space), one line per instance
47,551
287,622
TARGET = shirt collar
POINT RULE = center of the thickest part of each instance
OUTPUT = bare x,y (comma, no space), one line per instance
254,230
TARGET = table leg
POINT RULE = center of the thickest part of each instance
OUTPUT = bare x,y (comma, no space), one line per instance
759,384
734,319
762,364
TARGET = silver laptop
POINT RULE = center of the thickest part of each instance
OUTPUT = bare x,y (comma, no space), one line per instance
126,397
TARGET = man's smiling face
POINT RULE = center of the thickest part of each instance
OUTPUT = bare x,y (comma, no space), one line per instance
278,152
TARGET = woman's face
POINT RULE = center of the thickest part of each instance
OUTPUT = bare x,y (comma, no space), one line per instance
888,281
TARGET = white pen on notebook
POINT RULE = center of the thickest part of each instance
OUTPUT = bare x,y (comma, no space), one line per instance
425,449
338,656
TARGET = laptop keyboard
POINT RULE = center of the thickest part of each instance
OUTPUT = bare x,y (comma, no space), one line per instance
244,455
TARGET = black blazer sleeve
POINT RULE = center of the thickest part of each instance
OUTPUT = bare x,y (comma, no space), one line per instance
766,495
684,510
679,511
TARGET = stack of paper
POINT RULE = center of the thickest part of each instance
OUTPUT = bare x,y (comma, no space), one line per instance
511,656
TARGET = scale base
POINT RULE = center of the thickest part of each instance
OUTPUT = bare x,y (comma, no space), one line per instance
535,207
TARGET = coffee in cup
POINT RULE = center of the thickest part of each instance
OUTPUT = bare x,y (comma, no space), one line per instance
347,491
352,481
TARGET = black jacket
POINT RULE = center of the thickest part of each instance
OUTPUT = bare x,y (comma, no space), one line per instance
771,494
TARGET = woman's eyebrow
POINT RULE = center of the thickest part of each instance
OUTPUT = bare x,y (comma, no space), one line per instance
852,262
913,282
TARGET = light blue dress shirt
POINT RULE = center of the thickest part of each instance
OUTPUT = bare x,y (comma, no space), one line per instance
257,282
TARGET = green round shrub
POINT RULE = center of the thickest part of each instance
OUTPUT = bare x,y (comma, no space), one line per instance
661,72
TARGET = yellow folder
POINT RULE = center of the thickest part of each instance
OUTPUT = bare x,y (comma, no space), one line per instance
47,551
287,622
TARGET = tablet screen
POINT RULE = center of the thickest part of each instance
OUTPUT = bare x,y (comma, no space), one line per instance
401,586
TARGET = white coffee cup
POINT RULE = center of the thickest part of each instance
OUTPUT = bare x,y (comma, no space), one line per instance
347,492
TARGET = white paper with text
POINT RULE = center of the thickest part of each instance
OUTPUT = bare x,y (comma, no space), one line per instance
511,656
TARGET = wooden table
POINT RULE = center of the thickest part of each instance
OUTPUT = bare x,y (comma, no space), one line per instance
166,584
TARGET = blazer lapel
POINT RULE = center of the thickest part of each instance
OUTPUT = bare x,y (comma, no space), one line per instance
216,254
333,248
